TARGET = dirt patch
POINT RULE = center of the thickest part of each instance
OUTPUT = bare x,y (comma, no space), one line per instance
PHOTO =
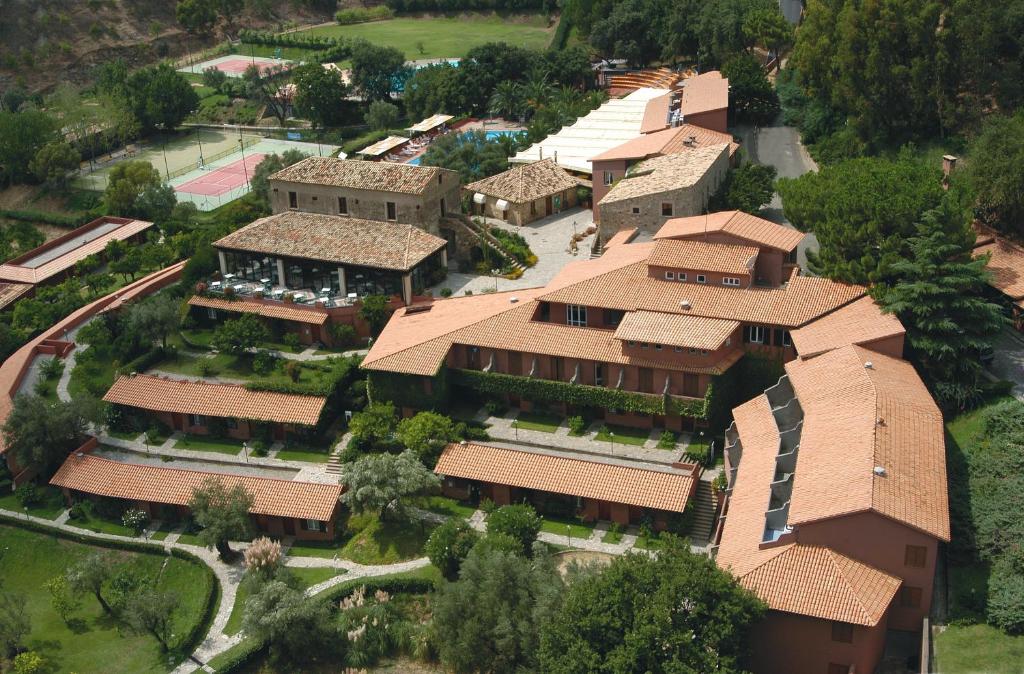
564,559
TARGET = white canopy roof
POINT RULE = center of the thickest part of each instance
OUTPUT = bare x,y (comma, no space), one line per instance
429,123
479,198
610,125
501,205
386,145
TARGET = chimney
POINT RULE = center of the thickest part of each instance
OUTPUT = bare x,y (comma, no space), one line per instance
948,164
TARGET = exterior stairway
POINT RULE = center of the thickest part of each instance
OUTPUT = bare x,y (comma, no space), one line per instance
704,505
479,233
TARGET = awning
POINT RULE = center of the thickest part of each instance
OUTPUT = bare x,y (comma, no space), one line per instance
381,147
502,205
429,123
479,198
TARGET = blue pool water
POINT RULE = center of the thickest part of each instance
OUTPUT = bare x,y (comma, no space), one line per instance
492,135
414,162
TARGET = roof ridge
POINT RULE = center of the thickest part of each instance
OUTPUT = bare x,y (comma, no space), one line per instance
201,472
833,558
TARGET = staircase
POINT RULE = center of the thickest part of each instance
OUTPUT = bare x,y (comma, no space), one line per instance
484,237
704,507
334,460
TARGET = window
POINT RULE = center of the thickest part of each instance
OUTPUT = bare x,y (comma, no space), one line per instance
342,206
835,668
391,210
791,258
680,276
557,368
212,313
691,385
515,362
730,281
678,349
631,343
612,317
916,556
636,210
670,276
576,315
444,206
544,314
910,597
842,632
666,210
754,334
646,380
609,177
196,420
313,525
644,345
293,200
701,278
598,374
440,177
657,347
231,423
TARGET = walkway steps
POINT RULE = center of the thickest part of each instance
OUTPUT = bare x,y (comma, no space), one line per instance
704,511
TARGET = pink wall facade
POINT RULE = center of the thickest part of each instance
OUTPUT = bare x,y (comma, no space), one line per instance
786,643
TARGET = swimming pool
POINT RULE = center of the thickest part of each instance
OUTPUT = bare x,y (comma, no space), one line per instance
493,135
415,161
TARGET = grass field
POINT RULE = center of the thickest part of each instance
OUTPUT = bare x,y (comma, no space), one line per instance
309,453
95,642
448,36
200,443
305,577
537,421
566,527
367,540
624,435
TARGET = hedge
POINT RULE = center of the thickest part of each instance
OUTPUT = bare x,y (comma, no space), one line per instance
189,643
579,394
236,657
406,390
391,585
562,31
69,221
327,49
145,361
347,17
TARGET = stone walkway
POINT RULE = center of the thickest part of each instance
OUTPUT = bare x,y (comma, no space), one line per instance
502,428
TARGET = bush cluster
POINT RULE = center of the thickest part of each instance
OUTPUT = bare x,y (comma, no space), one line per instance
363,14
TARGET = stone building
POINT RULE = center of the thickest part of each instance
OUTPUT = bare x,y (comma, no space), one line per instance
524,193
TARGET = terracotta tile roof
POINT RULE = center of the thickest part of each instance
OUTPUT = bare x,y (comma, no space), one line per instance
417,342
675,329
713,257
174,486
704,93
1006,267
656,114
279,310
666,173
857,418
629,482
378,176
621,236
77,245
524,183
10,292
617,280
749,228
861,322
513,330
217,400
816,581
336,239
667,141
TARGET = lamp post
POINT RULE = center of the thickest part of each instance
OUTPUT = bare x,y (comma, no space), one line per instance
245,450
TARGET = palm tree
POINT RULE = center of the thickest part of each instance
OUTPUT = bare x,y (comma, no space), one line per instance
537,92
505,100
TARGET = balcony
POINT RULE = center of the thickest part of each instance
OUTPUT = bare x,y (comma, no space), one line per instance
775,525
733,454
781,393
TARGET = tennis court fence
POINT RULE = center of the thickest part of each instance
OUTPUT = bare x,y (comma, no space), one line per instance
208,159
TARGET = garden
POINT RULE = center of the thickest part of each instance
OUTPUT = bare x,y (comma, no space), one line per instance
82,605
984,464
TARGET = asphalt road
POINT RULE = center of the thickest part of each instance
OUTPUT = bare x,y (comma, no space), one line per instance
780,146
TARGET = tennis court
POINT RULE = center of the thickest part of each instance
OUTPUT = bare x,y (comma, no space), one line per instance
235,65
224,179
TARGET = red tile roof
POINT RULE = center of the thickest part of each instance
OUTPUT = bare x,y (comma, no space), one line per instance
667,141
616,481
378,176
279,310
232,401
749,228
712,257
861,322
704,93
524,183
694,332
174,486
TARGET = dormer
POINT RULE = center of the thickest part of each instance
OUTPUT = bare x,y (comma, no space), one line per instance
703,263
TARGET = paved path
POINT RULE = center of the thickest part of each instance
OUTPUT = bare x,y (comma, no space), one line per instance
548,238
1008,363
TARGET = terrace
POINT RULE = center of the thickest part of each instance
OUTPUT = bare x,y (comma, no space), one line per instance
788,415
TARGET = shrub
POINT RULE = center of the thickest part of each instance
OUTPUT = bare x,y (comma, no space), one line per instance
28,495
80,510
291,340
51,368
487,506
264,362
446,292
136,520
207,369
263,556
576,425
495,408
363,14
667,440
29,662
449,544
520,521
344,335
293,370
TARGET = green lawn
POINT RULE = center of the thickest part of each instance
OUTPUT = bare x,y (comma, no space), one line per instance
305,577
448,506
624,435
96,642
91,377
309,453
537,421
448,36
963,649
123,435
206,444
612,537
51,507
102,525
367,540
230,367
563,527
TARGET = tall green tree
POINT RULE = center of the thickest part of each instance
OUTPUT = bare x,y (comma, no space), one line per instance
296,628
472,154
938,294
155,318
126,182
449,544
863,211
426,434
376,70
268,166
374,310
196,16
383,483
995,171
54,163
160,97
752,97
373,428
42,433
90,574
319,95
221,513
519,522
239,335
677,612
487,621
22,136
747,188
381,115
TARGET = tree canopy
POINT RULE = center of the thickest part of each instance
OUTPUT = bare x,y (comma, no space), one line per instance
472,154
377,71
449,544
676,612
160,97
319,94
42,433
126,183
22,136
426,434
995,171
222,513
239,335
384,482
862,212
519,521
